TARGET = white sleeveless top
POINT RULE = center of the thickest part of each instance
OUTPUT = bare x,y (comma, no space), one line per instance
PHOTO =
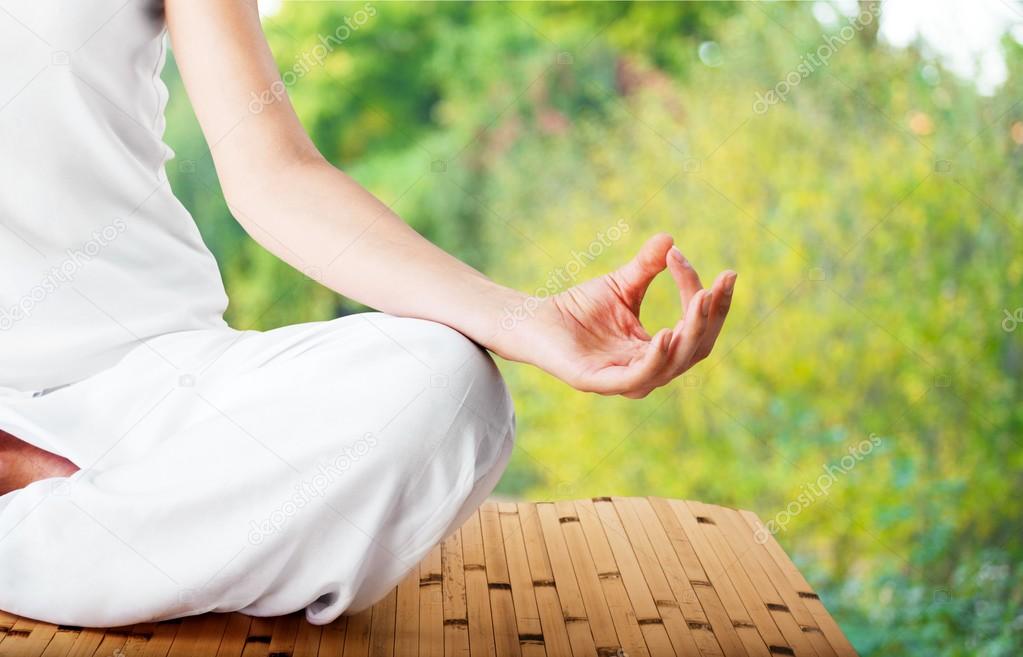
96,253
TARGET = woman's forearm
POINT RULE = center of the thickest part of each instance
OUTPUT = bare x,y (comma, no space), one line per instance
325,224
295,203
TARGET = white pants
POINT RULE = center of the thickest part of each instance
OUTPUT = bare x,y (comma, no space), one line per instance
309,466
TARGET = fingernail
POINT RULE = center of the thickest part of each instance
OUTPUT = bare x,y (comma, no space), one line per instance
705,304
730,284
677,255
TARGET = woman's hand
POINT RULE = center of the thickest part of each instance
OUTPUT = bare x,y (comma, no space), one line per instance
590,335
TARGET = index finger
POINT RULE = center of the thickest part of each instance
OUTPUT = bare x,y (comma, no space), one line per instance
685,277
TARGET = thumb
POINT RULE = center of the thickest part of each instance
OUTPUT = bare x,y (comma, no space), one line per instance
635,276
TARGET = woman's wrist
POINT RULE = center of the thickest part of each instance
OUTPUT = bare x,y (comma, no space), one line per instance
498,306
497,317
519,325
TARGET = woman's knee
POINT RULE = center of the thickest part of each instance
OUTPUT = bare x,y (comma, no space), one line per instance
423,390
460,368
469,374
466,401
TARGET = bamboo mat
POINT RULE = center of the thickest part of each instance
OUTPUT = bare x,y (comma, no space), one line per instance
607,577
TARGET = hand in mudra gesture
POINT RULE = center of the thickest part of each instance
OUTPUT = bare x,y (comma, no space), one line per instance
590,335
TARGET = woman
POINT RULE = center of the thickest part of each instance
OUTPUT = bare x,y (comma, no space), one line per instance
157,463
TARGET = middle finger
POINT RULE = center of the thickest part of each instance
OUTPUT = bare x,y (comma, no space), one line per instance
719,305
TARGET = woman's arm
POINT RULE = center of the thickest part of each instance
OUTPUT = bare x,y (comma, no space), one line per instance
305,211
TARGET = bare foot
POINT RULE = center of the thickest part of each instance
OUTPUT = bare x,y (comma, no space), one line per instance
21,464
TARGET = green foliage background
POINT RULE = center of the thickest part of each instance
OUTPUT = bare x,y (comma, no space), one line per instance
874,217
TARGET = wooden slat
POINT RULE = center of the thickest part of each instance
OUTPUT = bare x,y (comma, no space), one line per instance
232,644
282,639
598,611
60,644
456,615
257,643
307,643
88,642
200,635
477,591
161,639
406,630
552,621
381,631
506,636
112,642
573,608
6,622
586,578
137,640
332,638
431,606
357,636
527,616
